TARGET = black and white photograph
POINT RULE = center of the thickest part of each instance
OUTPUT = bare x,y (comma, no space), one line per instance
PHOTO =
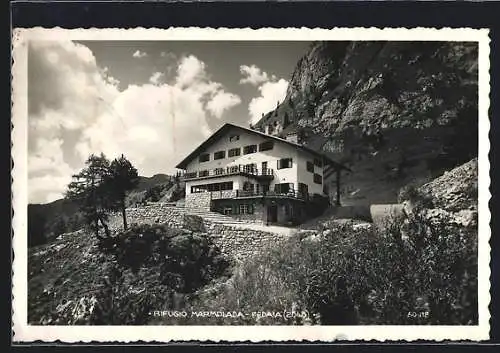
273,182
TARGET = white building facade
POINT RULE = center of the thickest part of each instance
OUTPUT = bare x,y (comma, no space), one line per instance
255,176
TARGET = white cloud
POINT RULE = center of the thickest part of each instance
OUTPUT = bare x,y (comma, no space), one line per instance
270,88
47,171
190,70
139,54
154,124
254,76
221,102
156,78
270,94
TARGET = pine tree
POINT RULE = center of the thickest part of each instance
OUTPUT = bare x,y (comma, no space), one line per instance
123,177
89,191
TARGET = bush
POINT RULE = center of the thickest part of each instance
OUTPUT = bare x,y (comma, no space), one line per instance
153,264
424,274
416,196
186,260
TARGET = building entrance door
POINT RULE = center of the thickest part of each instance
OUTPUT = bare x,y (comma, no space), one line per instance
272,214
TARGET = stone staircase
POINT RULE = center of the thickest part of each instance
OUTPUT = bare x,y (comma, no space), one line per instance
213,217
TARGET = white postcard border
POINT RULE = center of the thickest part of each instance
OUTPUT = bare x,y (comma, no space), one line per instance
24,332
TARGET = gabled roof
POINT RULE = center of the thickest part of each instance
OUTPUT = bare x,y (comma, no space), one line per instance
219,133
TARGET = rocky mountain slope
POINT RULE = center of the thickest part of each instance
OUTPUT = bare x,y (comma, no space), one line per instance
394,112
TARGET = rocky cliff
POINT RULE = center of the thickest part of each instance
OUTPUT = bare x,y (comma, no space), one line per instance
393,112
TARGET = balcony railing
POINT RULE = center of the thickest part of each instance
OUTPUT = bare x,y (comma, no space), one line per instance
231,170
232,194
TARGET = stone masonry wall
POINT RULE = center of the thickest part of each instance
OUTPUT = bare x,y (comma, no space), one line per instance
242,243
234,240
199,200
149,214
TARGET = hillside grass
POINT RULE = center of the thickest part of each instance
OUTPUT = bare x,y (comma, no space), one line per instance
411,272
419,273
79,280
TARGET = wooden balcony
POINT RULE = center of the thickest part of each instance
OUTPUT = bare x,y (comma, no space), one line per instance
249,194
245,170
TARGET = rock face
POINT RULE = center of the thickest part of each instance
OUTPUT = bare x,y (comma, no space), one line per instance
456,189
394,112
454,195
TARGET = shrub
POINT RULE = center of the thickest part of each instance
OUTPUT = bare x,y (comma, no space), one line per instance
186,260
416,196
426,274
153,263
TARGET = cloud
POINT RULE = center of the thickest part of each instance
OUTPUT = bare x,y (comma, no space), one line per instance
167,55
270,94
154,124
156,78
139,54
254,76
190,70
270,88
221,102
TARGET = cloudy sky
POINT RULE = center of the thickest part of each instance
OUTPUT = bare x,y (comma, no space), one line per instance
152,101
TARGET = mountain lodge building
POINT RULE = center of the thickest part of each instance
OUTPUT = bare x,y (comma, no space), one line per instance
258,177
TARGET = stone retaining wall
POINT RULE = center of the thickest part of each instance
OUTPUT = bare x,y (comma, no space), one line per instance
149,214
233,240
242,243
199,200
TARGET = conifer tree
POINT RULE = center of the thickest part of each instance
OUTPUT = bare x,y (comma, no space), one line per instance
123,178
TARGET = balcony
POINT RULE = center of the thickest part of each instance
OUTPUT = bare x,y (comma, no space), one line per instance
242,194
259,174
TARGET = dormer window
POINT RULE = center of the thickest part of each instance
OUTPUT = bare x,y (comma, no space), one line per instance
205,157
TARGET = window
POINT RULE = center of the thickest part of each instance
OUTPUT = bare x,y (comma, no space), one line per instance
249,149
283,188
250,168
303,188
233,138
220,155
218,171
203,173
310,167
318,162
204,157
190,175
212,187
284,163
234,169
266,146
247,186
318,179
233,152
245,209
